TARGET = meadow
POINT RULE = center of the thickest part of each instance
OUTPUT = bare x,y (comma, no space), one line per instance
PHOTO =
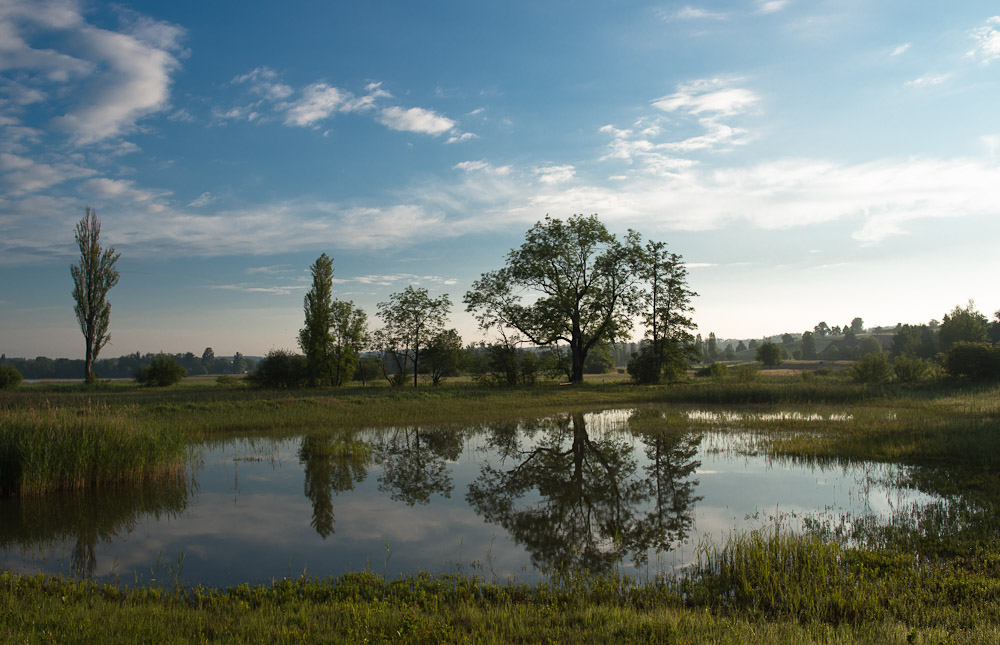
931,576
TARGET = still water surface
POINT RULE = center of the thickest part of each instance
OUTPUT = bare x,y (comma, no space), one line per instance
618,490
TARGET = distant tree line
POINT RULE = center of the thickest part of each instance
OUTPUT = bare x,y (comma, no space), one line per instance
128,366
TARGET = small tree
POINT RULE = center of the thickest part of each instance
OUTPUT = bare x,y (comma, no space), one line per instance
963,325
443,355
872,368
162,371
349,336
9,376
411,319
770,354
93,277
280,369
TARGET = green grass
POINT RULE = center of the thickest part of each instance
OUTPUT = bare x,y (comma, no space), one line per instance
49,449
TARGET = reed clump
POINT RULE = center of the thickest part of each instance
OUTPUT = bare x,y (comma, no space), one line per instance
48,449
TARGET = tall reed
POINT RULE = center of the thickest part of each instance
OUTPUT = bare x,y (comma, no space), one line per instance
46,449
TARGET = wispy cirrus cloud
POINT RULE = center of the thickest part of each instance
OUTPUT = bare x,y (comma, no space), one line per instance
415,120
22,175
688,12
771,6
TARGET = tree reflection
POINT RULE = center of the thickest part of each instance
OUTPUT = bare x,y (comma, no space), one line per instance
577,502
415,463
669,470
331,465
87,517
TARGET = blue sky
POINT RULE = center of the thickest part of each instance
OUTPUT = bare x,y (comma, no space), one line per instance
810,160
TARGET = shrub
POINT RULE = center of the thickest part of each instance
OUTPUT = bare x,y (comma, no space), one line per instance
227,380
644,368
973,360
163,370
715,371
909,369
9,377
872,368
280,369
746,372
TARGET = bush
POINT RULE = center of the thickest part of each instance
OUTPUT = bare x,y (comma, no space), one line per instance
9,377
973,360
644,368
227,380
715,371
746,372
280,369
872,368
162,371
909,369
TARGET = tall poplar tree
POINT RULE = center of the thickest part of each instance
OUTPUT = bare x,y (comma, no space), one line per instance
93,277
315,338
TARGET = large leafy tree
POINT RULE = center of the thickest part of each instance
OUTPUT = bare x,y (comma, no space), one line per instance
315,338
581,282
93,277
412,318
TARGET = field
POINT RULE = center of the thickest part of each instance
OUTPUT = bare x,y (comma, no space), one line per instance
927,577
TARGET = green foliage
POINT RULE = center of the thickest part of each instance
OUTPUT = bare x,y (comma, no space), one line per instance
9,376
745,372
348,335
808,346
963,325
666,303
162,371
869,345
770,354
314,338
714,371
443,356
412,318
914,340
976,361
93,277
909,369
599,360
280,369
670,364
644,367
872,368
585,279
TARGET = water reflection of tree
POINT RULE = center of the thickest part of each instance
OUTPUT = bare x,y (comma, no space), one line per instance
87,517
670,453
579,502
332,464
588,495
415,463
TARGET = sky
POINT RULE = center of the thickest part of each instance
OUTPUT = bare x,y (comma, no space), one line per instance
811,160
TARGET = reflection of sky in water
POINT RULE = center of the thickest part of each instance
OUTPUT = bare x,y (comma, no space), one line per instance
248,518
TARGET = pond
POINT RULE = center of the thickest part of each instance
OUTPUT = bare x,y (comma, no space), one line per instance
619,491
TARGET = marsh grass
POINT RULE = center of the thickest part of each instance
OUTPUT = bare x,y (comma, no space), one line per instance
50,449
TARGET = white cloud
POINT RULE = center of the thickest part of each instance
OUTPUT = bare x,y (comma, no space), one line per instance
555,174
263,81
482,166
771,6
21,175
271,269
465,136
900,50
714,96
124,191
693,13
987,40
928,81
202,200
318,102
415,120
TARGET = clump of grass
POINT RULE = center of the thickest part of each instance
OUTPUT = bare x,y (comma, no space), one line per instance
47,449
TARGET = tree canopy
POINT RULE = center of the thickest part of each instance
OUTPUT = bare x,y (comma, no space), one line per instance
412,318
583,282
